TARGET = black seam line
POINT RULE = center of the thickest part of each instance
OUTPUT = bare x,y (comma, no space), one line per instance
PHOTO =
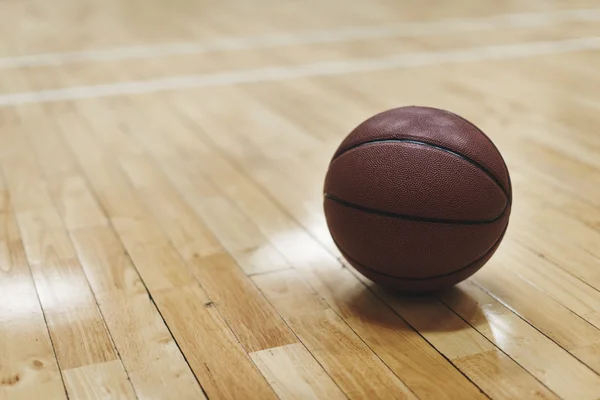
416,218
350,258
493,145
435,146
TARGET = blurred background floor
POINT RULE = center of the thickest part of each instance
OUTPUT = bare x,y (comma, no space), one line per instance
162,233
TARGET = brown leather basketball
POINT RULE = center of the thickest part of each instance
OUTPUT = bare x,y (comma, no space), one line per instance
417,198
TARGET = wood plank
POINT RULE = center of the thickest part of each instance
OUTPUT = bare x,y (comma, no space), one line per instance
99,381
249,315
246,311
345,357
325,274
29,365
484,367
44,234
221,128
79,335
238,235
553,194
527,380
590,355
173,198
26,183
157,261
252,127
565,375
570,258
552,166
294,374
286,101
75,202
549,135
96,114
80,379
571,292
158,132
188,233
150,355
75,323
106,263
182,304
498,375
574,231
69,127
276,225
191,315
541,311
48,149
41,227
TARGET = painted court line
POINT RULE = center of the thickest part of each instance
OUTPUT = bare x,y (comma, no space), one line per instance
275,73
408,29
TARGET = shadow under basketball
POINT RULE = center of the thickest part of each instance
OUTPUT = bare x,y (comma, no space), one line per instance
425,312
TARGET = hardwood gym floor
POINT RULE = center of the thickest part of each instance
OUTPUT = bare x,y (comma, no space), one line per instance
162,235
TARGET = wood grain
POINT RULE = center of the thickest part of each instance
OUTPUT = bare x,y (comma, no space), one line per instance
190,315
161,219
252,319
324,274
183,305
79,335
294,374
485,365
99,381
543,358
29,365
238,235
150,355
349,361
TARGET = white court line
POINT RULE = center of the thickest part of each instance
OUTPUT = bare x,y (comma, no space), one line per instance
269,74
409,29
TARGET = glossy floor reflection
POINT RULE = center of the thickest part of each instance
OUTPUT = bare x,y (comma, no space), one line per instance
161,225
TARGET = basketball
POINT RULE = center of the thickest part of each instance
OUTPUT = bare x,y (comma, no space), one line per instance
417,198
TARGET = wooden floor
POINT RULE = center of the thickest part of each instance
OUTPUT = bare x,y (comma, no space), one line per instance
162,233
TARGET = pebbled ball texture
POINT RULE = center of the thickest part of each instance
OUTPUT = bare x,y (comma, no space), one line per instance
417,198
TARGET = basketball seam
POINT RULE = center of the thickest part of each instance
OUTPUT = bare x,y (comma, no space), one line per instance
415,218
435,146
493,145
352,259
